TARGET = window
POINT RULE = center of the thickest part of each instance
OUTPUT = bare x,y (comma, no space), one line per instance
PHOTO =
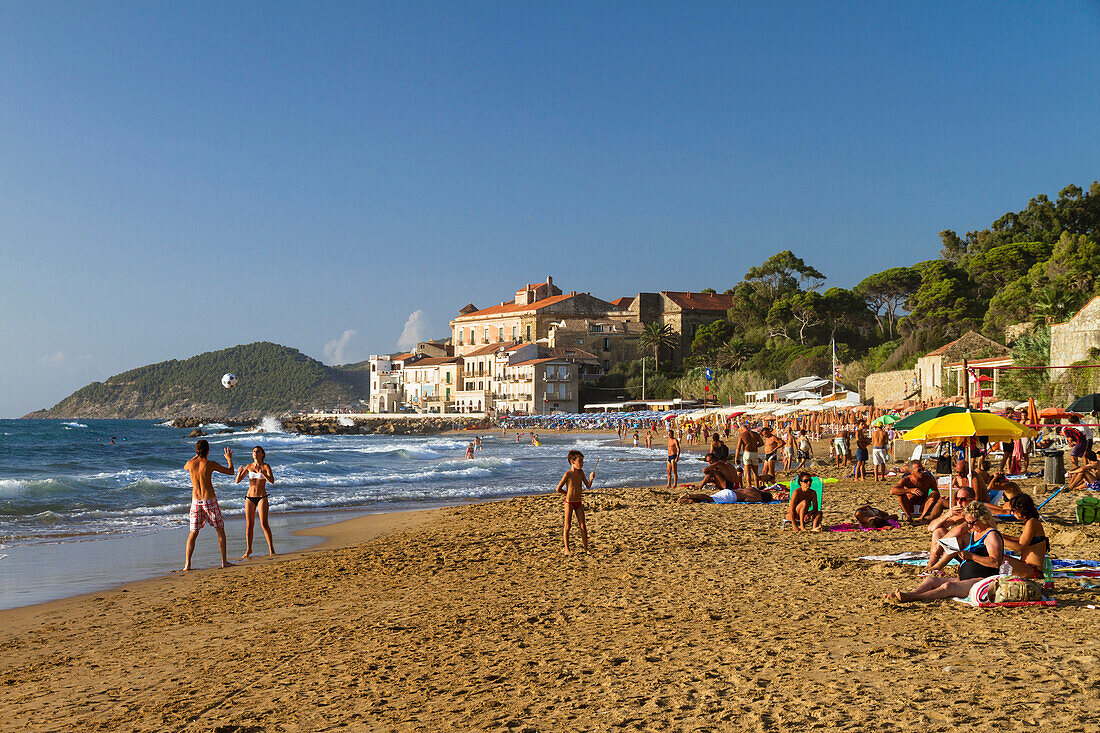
448,379
486,334
448,393
596,328
480,385
607,365
515,333
550,388
500,333
528,332
606,344
460,337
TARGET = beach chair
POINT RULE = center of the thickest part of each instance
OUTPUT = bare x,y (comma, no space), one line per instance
819,488
1006,517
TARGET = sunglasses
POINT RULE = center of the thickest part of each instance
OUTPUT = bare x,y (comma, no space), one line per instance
971,522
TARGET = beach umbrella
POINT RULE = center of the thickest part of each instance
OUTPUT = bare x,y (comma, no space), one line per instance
1088,403
885,420
1054,413
967,424
923,416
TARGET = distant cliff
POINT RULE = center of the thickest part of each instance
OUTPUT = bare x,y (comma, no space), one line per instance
273,379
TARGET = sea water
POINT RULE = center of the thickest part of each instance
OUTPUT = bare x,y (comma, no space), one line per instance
88,504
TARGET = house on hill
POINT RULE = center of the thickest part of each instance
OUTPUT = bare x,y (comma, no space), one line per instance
939,373
1075,339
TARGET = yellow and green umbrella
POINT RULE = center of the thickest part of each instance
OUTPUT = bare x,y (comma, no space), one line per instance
968,424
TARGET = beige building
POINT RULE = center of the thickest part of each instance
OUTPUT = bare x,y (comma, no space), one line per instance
685,312
431,384
937,372
606,340
524,319
540,386
1075,339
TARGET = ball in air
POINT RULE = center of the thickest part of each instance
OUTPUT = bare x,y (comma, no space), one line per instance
229,381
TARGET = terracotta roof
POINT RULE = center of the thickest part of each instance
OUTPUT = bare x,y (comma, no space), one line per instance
623,302
402,357
529,362
468,308
491,349
569,352
699,301
437,360
506,308
968,335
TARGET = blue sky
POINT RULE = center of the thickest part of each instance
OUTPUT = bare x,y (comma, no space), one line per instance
181,177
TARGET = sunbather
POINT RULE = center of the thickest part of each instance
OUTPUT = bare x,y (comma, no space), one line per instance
982,556
867,517
917,492
1031,544
725,478
804,505
1086,476
950,524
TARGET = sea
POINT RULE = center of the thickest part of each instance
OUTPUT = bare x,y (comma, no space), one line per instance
87,505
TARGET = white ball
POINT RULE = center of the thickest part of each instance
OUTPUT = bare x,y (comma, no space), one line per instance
229,381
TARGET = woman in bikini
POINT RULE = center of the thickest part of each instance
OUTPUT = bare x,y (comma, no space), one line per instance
1032,544
259,476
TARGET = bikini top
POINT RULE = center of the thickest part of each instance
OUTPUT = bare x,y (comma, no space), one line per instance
258,475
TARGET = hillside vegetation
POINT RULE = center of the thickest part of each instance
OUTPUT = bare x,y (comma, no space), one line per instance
1038,265
273,379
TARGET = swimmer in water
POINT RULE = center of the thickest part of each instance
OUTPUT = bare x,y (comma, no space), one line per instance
259,476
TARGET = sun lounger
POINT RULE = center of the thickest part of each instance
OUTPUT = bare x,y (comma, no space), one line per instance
1009,517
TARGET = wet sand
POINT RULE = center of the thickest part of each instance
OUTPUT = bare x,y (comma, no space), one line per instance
697,617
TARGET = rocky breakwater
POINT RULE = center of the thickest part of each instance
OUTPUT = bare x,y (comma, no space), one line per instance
380,426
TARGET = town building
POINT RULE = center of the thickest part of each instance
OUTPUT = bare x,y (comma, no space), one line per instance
802,389
540,386
431,384
684,312
608,341
385,384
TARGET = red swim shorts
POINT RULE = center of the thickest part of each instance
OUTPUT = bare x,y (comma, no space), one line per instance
206,511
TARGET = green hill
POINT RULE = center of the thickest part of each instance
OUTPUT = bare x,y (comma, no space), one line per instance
273,379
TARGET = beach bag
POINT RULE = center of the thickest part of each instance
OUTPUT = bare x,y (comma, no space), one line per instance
983,591
1017,590
943,465
1088,509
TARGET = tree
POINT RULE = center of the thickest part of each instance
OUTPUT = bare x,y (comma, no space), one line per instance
711,336
708,291
998,266
782,273
732,354
946,302
954,247
657,336
886,293
1052,304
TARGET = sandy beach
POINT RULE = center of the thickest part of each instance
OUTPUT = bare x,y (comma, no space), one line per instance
698,617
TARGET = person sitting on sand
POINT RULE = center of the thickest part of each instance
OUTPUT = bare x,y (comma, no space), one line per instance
1087,476
950,524
916,491
204,502
572,484
259,476
982,480
804,505
1031,544
982,555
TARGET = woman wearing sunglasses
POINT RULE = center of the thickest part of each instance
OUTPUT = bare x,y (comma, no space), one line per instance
981,557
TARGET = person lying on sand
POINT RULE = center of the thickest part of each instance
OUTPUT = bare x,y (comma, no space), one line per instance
728,482
804,505
982,555
917,492
572,484
867,517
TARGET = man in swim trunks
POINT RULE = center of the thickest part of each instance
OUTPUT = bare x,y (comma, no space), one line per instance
880,456
204,503
772,444
917,490
672,468
724,477
863,442
748,443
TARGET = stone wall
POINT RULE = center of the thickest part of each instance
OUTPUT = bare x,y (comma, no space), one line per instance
1071,341
883,387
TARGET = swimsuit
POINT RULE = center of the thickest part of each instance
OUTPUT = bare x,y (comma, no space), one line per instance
257,475
256,499
672,457
205,511
970,569
861,455
880,455
769,456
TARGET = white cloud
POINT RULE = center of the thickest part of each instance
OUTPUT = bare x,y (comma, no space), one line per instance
61,359
336,351
416,329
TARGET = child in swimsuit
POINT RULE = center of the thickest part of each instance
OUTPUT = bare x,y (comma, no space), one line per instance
572,484
259,476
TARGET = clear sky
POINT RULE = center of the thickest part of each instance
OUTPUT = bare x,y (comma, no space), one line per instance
181,177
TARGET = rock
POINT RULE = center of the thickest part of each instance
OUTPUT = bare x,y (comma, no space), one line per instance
196,433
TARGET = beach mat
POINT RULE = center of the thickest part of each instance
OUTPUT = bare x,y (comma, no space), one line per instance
852,527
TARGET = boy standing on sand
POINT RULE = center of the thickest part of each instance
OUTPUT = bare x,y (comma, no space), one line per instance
572,484
204,503
673,468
